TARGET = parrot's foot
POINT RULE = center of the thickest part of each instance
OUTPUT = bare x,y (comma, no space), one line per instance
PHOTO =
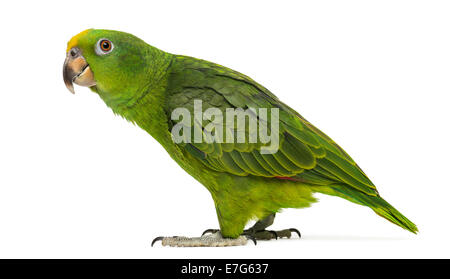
212,240
259,232
263,234
268,234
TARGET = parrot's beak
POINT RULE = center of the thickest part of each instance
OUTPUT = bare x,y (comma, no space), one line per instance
76,70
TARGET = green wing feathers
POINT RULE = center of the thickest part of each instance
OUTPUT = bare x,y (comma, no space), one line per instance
305,154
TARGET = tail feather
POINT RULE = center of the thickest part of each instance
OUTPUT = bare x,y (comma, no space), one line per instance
376,203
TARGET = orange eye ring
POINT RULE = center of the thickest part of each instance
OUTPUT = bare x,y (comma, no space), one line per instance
105,45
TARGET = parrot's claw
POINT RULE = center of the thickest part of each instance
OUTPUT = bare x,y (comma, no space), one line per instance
157,239
296,231
211,240
209,231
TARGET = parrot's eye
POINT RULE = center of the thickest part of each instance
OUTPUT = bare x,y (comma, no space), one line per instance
104,46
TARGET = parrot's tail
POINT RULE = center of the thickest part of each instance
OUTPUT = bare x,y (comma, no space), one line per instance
376,203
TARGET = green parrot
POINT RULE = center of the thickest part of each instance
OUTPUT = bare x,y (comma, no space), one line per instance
248,179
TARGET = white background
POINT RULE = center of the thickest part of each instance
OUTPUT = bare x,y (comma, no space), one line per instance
76,181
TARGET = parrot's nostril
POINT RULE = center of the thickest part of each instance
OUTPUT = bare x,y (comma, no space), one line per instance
73,52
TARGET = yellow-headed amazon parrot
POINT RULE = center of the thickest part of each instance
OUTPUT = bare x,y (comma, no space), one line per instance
185,103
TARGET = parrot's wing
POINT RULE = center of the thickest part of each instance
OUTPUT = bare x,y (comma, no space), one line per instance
305,153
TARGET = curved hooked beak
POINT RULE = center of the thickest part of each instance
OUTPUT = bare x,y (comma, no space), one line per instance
76,70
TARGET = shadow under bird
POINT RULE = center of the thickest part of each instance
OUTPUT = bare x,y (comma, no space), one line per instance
145,85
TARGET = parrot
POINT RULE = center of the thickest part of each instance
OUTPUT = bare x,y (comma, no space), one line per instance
248,179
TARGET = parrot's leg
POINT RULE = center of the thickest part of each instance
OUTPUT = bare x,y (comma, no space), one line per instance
211,240
258,230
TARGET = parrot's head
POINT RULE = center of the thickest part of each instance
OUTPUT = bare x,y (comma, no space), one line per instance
106,61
